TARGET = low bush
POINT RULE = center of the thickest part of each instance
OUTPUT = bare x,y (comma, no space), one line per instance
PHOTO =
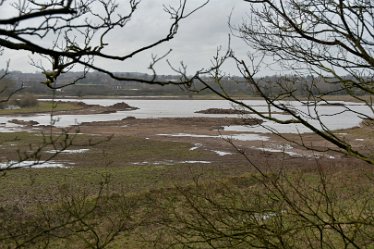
27,101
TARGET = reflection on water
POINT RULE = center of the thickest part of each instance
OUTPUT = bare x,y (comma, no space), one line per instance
187,108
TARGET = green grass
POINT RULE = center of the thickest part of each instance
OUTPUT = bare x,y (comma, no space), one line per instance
43,106
27,194
148,194
144,201
18,136
131,162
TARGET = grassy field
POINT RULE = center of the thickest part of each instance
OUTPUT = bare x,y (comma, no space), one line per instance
29,194
131,192
43,107
139,190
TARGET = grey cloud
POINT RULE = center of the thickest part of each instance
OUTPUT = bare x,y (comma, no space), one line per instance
195,43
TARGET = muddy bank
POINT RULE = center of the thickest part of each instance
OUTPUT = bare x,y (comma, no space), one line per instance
23,122
96,109
200,122
206,131
232,111
223,111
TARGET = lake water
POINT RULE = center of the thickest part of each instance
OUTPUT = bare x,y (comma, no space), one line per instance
187,108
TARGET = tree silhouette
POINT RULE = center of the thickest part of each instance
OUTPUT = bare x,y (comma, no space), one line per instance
71,33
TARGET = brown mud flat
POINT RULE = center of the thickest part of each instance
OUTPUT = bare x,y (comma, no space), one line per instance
223,111
75,108
95,109
23,122
195,121
150,128
142,146
232,111
145,166
208,133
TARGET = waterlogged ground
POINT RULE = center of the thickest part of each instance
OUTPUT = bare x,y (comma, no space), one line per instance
144,162
156,120
205,138
188,108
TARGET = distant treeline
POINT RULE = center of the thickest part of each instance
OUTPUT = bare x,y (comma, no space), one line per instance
96,83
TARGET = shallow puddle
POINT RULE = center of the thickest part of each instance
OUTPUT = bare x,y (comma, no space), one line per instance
170,162
221,153
78,151
32,165
240,137
196,146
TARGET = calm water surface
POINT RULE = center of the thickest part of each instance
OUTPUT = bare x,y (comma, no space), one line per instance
186,108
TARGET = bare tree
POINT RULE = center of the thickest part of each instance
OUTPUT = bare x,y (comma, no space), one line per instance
330,42
78,32
313,208
69,34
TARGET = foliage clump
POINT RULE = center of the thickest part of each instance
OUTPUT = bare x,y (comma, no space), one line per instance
26,101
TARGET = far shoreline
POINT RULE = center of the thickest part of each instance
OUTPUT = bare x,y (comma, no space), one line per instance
346,98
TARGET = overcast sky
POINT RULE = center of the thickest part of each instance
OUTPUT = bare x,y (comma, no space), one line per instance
195,44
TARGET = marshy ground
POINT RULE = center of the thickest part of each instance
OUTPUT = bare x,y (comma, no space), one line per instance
141,163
